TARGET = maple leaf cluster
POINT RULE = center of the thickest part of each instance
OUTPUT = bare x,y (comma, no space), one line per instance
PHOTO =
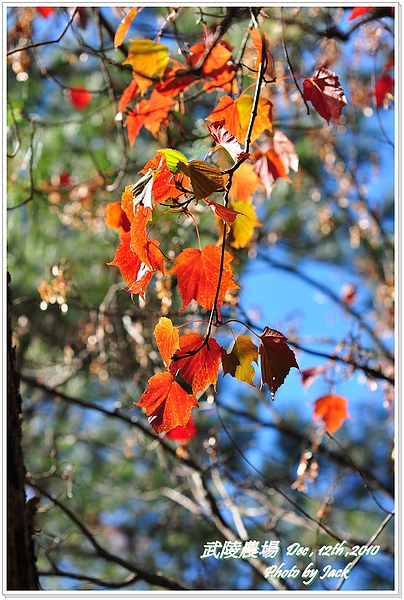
171,183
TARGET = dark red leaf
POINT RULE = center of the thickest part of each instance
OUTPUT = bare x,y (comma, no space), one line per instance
276,359
324,91
384,85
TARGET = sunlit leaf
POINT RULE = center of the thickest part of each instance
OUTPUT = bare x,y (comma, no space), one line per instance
333,410
228,215
182,434
148,61
128,95
226,139
325,93
269,59
238,362
115,217
263,120
167,338
205,179
123,27
197,362
237,114
244,183
198,275
243,226
149,114
136,274
173,158
166,403
276,359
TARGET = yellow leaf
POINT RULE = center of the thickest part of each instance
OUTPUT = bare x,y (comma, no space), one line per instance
123,27
148,61
263,120
243,226
239,362
244,183
167,338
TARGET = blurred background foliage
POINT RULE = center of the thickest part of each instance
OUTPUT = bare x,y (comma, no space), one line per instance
255,470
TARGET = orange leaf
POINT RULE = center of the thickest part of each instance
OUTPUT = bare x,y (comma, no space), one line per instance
198,275
123,27
176,79
148,61
197,363
80,97
227,110
182,434
138,236
148,113
167,338
236,115
325,93
166,403
276,359
333,410
136,274
136,278
238,362
269,59
244,183
128,95
116,218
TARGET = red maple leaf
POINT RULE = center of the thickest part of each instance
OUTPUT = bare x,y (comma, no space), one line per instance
276,359
79,97
45,11
167,404
324,91
384,85
227,140
182,434
358,11
197,362
333,410
228,215
198,275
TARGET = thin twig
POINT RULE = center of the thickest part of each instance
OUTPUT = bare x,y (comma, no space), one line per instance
285,48
46,42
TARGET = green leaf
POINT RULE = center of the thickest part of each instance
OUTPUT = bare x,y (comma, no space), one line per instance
173,157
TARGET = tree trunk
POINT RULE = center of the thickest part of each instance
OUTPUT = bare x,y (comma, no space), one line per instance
21,568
